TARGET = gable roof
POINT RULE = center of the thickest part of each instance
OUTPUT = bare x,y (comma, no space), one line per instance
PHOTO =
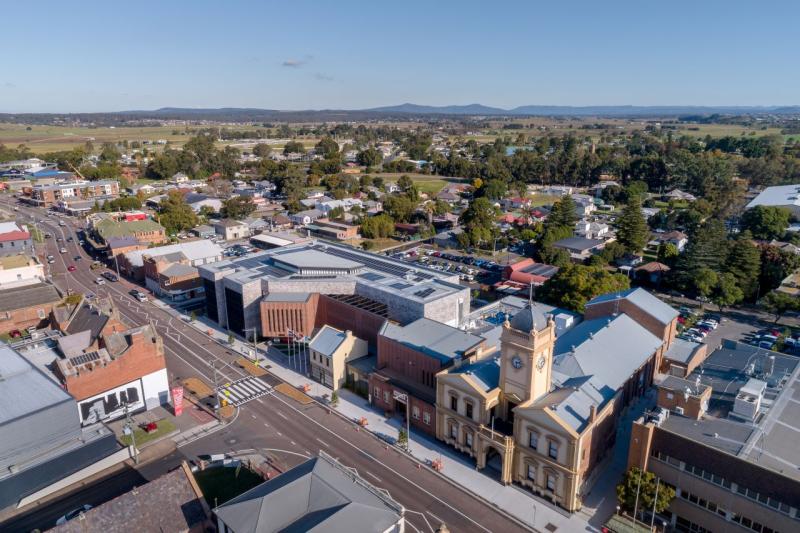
642,299
327,340
317,495
432,338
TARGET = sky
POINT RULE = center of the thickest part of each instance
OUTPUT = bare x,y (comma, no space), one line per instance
89,56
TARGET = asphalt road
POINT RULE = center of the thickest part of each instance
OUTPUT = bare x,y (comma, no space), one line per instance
274,424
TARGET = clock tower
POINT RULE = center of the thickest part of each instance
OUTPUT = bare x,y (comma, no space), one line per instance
526,352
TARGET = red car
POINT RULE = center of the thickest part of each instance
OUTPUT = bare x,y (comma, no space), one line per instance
71,268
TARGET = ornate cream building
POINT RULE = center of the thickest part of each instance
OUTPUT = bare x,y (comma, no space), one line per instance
542,412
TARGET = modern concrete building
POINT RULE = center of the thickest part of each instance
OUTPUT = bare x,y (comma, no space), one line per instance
249,292
725,437
319,494
329,351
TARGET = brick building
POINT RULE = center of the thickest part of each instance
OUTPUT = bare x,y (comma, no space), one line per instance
64,193
409,357
120,236
725,438
27,306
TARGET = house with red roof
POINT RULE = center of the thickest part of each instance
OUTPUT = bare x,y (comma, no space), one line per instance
14,239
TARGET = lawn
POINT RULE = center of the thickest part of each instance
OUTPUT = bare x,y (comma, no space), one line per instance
164,427
222,483
538,200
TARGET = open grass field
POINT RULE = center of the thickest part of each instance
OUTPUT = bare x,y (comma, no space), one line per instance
43,139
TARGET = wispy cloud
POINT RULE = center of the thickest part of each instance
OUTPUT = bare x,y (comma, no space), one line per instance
297,63
323,77
9,85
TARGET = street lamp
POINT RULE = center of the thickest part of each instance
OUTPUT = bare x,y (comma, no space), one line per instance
128,429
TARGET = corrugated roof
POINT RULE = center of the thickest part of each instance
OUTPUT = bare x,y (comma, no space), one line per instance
28,296
24,389
327,340
317,495
642,299
179,269
433,338
193,250
111,228
484,372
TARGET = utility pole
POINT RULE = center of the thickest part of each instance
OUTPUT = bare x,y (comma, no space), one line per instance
216,396
116,260
129,430
655,499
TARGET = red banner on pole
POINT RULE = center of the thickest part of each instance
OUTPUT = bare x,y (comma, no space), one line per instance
177,400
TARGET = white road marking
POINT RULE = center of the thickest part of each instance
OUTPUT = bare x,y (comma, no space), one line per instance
373,476
282,415
323,442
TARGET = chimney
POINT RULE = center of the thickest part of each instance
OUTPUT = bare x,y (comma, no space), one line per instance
592,413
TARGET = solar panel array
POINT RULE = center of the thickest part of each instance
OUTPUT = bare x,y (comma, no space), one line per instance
424,292
370,276
393,269
400,286
540,269
84,358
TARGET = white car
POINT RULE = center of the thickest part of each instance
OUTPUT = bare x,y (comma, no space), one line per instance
63,250
75,513
100,281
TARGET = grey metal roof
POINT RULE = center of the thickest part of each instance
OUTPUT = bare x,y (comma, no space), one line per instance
88,317
316,258
317,495
179,269
531,318
579,244
642,299
485,372
327,340
433,338
24,389
193,250
681,350
286,297
28,296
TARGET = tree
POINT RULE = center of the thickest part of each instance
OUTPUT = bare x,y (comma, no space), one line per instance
744,262
632,230
400,207
708,247
262,150
727,291
563,214
637,492
479,221
404,183
176,215
379,226
293,147
705,281
326,147
766,222
238,207
574,285
667,253
369,157
402,438
779,303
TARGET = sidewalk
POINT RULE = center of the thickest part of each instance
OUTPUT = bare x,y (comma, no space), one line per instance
458,468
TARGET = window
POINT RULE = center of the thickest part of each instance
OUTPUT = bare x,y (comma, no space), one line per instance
328,362
386,396
551,482
533,440
377,392
468,407
426,417
415,412
454,431
40,313
468,438
454,403
532,473
552,450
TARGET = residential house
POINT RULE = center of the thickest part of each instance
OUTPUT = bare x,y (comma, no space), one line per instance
232,230
346,204
591,230
329,351
329,229
580,248
677,194
304,218
677,238
14,239
584,205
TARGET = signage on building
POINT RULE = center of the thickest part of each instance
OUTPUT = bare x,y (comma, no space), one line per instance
400,396
177,400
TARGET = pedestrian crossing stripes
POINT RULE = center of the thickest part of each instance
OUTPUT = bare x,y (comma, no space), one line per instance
243,390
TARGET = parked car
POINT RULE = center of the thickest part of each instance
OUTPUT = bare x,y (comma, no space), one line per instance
110,276
75,513
100,281
63,250
71,268
139,295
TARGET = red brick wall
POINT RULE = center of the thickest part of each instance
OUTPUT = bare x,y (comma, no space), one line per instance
363,324
379,387
142,358
407,362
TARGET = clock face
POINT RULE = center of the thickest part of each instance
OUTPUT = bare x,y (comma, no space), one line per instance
540,362
516,362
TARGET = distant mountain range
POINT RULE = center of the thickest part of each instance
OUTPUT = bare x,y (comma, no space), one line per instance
402,111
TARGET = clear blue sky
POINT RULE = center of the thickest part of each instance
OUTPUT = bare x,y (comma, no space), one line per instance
60,56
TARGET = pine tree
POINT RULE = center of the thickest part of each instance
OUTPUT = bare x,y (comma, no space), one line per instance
744,262
632,230
707,248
